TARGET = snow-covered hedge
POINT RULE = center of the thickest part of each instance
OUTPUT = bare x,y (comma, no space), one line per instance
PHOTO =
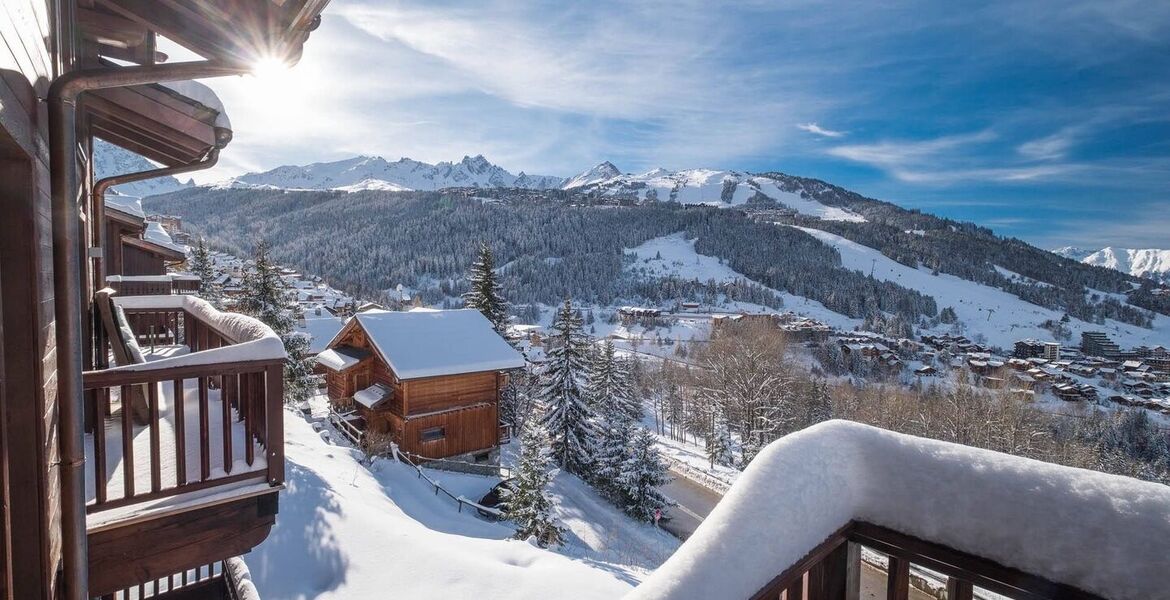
251,339
1102,533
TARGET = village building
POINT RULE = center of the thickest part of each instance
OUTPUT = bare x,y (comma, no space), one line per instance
1097,343
430,381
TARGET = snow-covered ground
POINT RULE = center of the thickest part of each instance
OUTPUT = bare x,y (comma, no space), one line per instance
348,531
1001,317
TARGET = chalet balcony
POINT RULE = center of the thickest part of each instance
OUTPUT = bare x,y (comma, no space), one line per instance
184,449
972,523
153,285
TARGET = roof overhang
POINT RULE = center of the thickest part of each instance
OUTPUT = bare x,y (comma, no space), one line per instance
158,123
167,254
234,31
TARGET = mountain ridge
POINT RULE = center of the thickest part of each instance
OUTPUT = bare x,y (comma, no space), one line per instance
1149,263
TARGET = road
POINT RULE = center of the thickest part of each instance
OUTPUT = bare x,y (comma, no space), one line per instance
695,502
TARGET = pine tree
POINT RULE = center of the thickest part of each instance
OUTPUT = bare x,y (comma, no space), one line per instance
613,448
527,504
567,415
298,368
610,388
264,296
485,295
201,266
642,473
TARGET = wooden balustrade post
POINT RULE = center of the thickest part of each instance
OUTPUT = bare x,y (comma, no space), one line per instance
898,579
274,417
957,589
838,575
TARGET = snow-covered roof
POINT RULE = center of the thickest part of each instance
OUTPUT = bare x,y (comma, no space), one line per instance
321,330
341,357
445,342
155,234
203,95
1102,533
130,205
372,396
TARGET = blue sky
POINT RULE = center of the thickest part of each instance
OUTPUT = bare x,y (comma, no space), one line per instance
1049,121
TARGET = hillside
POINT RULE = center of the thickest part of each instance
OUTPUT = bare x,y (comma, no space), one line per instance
1151,263
348,531
791,242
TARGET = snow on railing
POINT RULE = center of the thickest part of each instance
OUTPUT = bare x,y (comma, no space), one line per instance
1101,533
245,338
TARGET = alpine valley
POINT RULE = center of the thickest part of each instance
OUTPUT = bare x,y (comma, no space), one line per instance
728,239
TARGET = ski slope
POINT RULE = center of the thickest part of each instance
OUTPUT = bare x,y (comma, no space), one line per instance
1002,318
675,256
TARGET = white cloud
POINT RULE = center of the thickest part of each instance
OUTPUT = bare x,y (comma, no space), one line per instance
1048,148
821,131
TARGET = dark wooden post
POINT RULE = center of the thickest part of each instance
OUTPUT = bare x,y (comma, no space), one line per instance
274,414
838,576
898,581
957,589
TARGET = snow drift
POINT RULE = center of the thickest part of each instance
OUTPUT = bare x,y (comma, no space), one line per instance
1102,533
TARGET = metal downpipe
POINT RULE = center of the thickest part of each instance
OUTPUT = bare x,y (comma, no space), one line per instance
67,282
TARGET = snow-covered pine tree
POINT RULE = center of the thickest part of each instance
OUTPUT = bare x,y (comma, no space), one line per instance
567,416
485,295
201,266
528,504
264,296
613,449
642,473
298,367
610,387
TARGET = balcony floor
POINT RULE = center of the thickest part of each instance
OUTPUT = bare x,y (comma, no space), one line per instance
168,469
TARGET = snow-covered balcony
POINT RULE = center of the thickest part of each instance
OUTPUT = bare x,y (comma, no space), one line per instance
153,285
189,430
975,522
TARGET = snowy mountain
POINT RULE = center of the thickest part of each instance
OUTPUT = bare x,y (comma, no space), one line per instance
113,160
376,173
1151,263
709,187
601,173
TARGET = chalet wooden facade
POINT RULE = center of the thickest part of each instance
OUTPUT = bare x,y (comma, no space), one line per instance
98,499
430,380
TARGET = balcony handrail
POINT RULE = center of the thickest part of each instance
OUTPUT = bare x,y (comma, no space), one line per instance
229,386
1073,529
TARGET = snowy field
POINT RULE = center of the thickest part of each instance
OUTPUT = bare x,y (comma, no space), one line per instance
1001,317
348,531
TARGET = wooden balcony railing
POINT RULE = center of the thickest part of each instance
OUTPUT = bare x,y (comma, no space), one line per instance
214,413
832,571
970,523
153,285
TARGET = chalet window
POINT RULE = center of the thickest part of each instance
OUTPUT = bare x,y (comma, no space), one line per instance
432,434
483,457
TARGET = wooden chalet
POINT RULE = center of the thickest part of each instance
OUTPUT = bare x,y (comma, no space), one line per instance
430,380
141,432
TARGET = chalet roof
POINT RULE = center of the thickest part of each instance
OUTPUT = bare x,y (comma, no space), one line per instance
341,357
445,342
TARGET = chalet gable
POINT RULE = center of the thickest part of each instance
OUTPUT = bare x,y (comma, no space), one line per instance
420,344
